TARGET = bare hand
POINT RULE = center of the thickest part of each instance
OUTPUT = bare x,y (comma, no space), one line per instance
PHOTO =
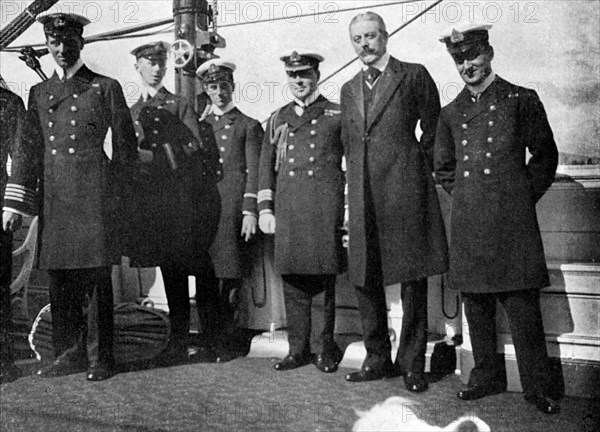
248,227
11,222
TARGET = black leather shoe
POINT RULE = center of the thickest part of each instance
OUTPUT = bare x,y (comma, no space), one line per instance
479,391
66,364
415,382
368,373
292,361
100,371
204,355
9,373
328,360
543,403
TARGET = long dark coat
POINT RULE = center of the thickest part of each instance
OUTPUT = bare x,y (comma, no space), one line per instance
239,139
309,190
81,186
480,159
384,157
174,201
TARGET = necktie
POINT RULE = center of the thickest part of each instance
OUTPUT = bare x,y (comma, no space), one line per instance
371,76
475,97
64,77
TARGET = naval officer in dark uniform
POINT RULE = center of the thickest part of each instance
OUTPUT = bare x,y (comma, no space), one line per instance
175,202
496,252
68,118
19,201
301,187
239,139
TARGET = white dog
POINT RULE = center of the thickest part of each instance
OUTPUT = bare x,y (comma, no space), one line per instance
396,415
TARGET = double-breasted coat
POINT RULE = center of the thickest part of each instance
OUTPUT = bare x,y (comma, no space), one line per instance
239,139
175,203
308,189
480,158
389,174
81,185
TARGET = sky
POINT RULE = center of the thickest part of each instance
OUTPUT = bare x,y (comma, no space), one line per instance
552,46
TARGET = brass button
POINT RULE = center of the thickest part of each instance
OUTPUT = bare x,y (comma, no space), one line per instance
154,145
291,160
488,155
491,123
466,158
73,137
51,97
464,142
137,134
219,172
222,149
71,150
464,126
51,111
312,145
73,123
490,140
74,108
50,124
75,96
311,159
52,137
487,171
292,134
223,137
291,147
227,126
53,151
292,173
310,173
313,132
220,160
156,119
313,121
137,122
155,132
492,107
466,174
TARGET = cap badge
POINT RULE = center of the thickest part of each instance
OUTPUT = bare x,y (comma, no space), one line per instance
456,36
213,69
59,22
295,57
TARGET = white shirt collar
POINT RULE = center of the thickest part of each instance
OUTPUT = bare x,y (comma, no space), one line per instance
480,88
219,112
148,92
310,99
381,63
70,71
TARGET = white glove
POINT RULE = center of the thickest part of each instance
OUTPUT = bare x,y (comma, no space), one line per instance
266,223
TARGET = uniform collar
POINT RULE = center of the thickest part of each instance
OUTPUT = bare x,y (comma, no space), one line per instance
479,89
69,71
150,92
310,99
380,63
219,112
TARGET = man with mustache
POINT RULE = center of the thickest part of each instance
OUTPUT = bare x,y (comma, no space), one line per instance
175,204
68,118
496,253
301,187
396,231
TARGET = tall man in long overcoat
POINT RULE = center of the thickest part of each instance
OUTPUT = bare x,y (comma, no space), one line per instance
19,200
396,230
68,118
301,201
496,252
175,202
239,139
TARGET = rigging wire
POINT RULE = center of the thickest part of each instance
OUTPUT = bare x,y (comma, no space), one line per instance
127,32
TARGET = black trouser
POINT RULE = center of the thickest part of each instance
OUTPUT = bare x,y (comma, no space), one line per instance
71,293
175,276
299,291
6,343
525,320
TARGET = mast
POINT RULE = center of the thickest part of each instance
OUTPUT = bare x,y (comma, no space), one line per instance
189,15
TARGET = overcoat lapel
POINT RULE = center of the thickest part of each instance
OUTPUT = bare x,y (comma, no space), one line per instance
497,91
357,95
295,121
384,90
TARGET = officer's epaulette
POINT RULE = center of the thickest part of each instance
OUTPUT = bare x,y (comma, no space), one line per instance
332,112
